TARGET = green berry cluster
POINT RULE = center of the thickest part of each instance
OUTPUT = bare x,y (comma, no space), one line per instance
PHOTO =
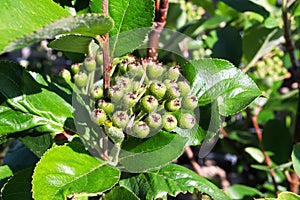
145,97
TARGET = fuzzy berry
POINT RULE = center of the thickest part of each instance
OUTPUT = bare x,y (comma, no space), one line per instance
135,70
66,74
89,64
173,73
158,89
99,59
189,102
106,106
97,92
123,67
98,116
124,83
120,119
186,121
169,122
75,68
184,87
80,79
173,105
116,93
154,70
173,92
149,103
116,134
129,100
140,129
168,83
154,120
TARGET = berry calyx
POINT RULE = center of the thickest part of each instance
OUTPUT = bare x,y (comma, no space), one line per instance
169,122
149,103
158,89
173,92
173,105
106,106
89,64
98,116
189,102
120,119
186,121
80,79
140,129
154,120
97,92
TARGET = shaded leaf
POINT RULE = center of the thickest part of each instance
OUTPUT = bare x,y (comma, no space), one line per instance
19,186
218,80
238,191
5,172
120,193
172,180
296,158
66,170
140,155
37,144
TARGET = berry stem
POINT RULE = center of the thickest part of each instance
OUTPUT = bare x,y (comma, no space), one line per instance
161,9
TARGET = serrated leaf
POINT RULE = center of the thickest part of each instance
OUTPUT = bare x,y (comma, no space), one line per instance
172,180
259,40
19,18
120,193
218,80
31,102
18,186
238,191
288,196
66,170
72,43
296,158
5,172
87,25
140,155
129,16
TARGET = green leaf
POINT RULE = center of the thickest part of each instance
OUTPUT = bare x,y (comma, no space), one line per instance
87,25
120,193
218,80
257,41
66,170
5,172
72,43
31,102
129,16
194,135
20,18
288,196
140,155
247,5
19,186
37,144
296,158
255,153
238,191
277,139
172,180
229,45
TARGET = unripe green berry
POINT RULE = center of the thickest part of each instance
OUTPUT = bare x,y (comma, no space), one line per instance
124,83
173,105
135,70
116,93
89,64
99,59
98,116
66,74
75,68
154,70
173,73
129,100
97,92
80,79
173,92
106,106
140,129
189,102
186,121
120,119
184,87
149,103
168,83
169,122
116,134
154,120
158,89
123,67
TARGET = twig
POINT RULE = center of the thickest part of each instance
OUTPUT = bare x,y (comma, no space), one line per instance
294,182
189,153
161,9
266,156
